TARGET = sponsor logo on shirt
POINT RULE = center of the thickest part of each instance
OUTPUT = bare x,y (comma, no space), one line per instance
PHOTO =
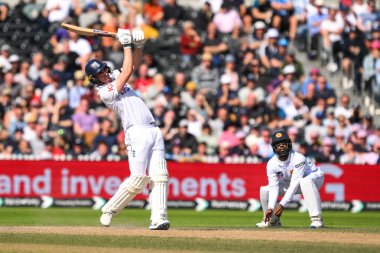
300,164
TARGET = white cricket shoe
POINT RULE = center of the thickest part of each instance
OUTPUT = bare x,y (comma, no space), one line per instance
271,223
106,219
161,224
316,222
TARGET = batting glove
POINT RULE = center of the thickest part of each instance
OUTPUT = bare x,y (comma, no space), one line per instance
138,38
125,37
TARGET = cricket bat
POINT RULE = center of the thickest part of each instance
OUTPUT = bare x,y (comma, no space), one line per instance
87,31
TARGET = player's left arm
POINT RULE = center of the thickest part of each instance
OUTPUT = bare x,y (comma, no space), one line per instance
138,40
298,172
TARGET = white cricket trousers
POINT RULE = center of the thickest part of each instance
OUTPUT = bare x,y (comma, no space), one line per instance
309,188
145,147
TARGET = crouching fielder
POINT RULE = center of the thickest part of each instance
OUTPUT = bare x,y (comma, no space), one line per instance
289,173
143,139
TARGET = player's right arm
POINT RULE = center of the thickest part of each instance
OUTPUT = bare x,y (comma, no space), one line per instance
125,38
273,183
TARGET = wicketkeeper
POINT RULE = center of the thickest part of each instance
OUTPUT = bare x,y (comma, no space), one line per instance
289,173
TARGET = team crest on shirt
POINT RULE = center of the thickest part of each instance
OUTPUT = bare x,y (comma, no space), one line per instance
280,175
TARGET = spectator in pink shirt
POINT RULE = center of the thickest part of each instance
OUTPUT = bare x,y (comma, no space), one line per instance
226,19
229,136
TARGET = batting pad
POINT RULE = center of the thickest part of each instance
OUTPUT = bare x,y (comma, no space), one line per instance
159,190
311,196
126,192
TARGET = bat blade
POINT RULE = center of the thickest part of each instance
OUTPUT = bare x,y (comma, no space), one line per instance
87,31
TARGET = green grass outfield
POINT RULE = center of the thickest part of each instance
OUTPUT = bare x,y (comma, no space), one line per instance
186,225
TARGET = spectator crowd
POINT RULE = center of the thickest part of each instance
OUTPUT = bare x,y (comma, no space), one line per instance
218,79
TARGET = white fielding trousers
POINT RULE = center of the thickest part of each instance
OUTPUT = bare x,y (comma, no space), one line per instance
309,188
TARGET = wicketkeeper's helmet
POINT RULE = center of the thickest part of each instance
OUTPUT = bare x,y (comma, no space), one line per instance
94,67
278,137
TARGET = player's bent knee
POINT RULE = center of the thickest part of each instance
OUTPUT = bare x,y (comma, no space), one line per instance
136,184
159,173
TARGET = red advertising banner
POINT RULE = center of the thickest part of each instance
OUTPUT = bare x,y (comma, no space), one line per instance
187,180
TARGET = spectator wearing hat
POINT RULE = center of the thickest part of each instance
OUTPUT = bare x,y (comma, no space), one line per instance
227,96
327,152
257,38
361,141
230,70
283,45
187,141
289,72
78,149
269,56
5,52
78,89
240,150
311,79
357,114
291,59
205,75
15,61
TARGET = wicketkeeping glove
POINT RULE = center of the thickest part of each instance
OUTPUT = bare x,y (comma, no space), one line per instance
278,210
138,38
125,37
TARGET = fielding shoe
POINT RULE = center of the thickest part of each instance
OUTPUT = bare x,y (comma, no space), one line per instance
272,223
106,219
160,225
316,222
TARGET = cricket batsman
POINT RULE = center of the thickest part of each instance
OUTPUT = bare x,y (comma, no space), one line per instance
143,138
289,173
